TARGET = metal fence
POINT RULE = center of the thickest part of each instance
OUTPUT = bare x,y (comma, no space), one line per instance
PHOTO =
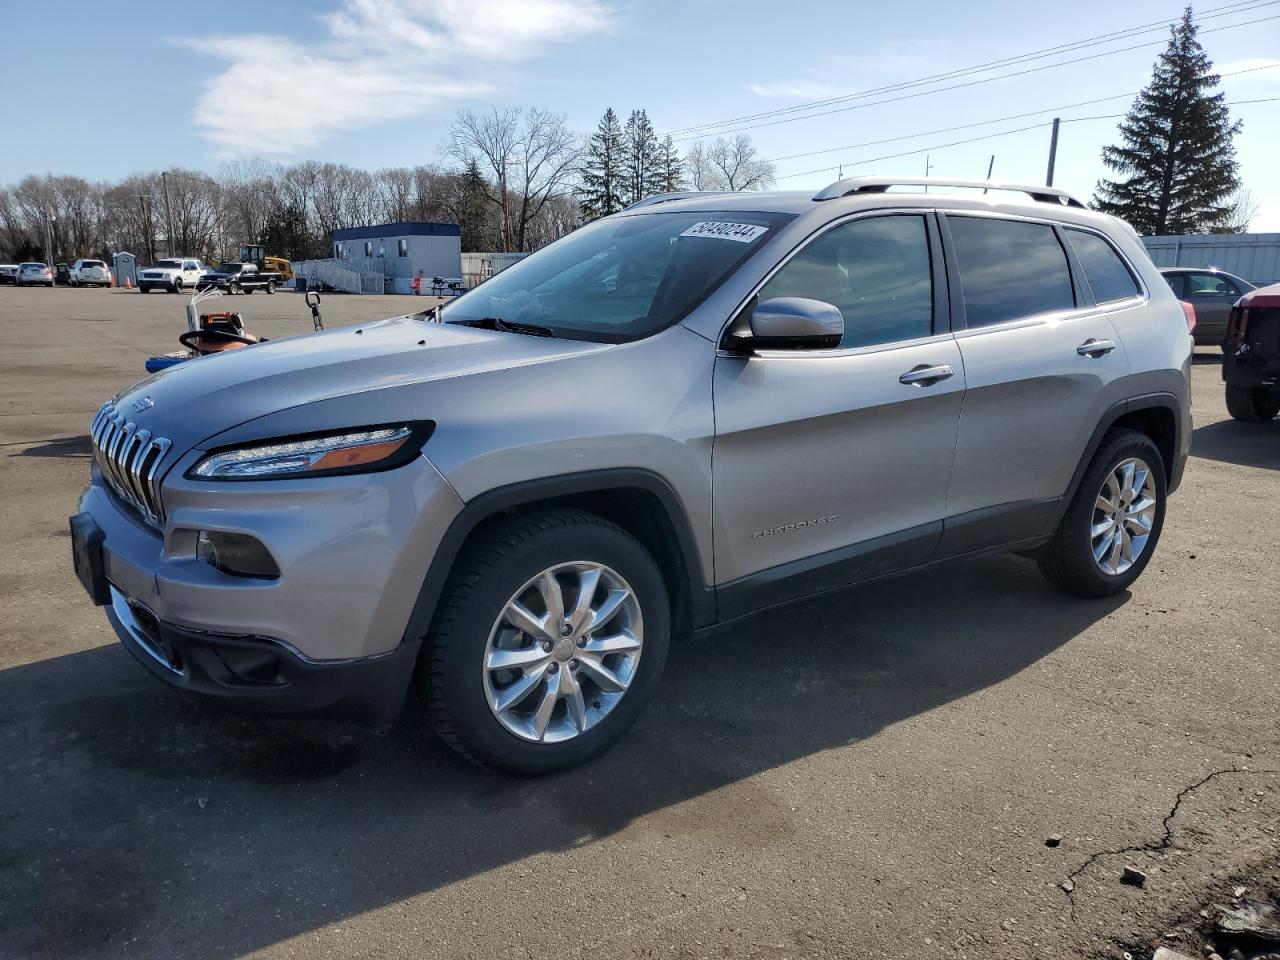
1253,256
477,267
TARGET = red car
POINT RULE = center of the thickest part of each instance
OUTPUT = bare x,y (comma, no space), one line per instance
1251,355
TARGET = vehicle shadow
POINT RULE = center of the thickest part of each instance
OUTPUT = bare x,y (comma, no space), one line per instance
138,823
73,447
1234,441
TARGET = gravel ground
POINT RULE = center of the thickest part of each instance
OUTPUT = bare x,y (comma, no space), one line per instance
873,774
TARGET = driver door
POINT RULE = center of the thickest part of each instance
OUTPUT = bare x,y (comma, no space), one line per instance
831,466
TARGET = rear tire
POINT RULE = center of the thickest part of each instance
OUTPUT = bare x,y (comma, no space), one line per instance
271,286
506,568
1070,561
1253,404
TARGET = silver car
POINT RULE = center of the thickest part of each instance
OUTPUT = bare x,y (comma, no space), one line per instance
703,406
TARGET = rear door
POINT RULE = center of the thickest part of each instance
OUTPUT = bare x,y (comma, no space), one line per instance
832,465
1042,363
1213,296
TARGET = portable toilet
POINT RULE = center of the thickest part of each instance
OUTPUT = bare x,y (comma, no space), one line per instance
124,266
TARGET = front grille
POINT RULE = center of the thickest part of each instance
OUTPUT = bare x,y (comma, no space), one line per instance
129,459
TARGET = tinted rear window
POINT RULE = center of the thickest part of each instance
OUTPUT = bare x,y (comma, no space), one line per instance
1107,274
1009,269
94,263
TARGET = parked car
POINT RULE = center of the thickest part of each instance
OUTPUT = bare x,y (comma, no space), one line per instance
1212,292
8,273
34,274
172,274
90,273
240,278
521,500
1251,365
62,274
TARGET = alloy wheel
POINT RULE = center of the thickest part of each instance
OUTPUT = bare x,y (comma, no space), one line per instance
1123,515
563,652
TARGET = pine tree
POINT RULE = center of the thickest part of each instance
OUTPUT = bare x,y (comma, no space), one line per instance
473,213
671,167
603,176
642,156
1177,153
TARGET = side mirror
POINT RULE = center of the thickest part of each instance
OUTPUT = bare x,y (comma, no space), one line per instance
792,323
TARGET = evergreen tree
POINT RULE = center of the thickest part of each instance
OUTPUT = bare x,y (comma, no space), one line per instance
671,167
642,158
603,176
473,212
1176,154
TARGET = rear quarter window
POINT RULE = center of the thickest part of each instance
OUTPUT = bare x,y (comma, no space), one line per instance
1009,269
1109,278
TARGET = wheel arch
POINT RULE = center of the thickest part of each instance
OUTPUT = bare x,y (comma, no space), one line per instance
637,500
1156,415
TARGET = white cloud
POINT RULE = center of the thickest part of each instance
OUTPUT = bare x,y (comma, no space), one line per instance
381,60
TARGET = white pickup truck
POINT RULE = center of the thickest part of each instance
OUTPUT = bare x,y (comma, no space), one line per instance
173,274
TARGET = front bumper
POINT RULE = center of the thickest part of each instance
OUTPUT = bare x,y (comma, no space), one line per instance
352,553
259,674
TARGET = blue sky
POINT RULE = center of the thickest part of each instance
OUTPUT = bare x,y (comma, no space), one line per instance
136,86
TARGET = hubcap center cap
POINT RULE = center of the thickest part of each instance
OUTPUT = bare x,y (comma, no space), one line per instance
564,650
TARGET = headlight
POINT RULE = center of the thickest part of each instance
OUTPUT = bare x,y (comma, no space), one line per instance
358,451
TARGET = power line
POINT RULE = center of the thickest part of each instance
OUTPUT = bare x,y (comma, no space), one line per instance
1212,13
988,136
972,83
981,123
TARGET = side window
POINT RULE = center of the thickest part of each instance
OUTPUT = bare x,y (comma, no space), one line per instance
1109,278
1207,285
1009,269
402,247
1175,284
875,270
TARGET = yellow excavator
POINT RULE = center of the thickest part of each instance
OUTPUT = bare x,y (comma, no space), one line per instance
252,253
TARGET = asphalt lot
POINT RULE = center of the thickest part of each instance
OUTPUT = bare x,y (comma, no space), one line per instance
872,774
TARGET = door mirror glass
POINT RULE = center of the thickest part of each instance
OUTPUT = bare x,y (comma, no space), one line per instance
791,323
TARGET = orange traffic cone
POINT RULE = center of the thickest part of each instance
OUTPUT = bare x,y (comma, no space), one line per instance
128,283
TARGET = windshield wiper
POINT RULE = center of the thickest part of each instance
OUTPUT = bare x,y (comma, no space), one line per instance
515,326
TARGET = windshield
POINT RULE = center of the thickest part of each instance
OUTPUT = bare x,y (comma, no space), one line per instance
620,279
166,265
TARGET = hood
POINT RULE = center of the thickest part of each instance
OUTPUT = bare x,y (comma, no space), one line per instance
195,400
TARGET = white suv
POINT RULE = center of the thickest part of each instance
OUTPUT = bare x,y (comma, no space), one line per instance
90,273
173,274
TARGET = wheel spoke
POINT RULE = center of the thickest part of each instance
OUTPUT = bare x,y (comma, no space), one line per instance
618,643
588,581
602,675
549,588
1137,524
519,616
546,706
609,608
1125,476
1113,558
1101,547
573,699
508,697
520,659
1139,480
1099,528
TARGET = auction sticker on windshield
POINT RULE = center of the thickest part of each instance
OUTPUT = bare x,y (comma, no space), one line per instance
741,232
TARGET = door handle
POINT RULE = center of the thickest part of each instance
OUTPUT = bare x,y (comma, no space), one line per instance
925,375
1095,348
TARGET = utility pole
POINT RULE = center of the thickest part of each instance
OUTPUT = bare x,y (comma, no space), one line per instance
48,239
168,214
990,166
927,167
1053,153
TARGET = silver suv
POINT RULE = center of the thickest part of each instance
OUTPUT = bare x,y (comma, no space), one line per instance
703,406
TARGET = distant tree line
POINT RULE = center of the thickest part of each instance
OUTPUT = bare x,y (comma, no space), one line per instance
512,180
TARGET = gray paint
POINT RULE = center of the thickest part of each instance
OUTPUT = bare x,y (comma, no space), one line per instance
749,443
1252,256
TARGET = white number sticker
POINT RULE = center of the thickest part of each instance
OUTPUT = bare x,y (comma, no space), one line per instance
741,232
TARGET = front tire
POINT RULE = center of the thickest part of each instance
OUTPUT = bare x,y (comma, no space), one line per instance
1253,404
1112,526
271,286
234,289
549,638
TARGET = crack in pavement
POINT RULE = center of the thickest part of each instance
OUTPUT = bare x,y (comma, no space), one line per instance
1151,846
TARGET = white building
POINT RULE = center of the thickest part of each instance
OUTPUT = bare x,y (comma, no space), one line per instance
400,251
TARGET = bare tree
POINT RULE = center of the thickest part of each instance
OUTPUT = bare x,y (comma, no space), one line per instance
738,164
1245,207
530,153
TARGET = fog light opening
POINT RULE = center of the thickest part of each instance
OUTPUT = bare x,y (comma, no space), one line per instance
237,554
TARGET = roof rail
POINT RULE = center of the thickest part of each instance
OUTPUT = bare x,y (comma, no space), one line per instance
853,185
681,195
